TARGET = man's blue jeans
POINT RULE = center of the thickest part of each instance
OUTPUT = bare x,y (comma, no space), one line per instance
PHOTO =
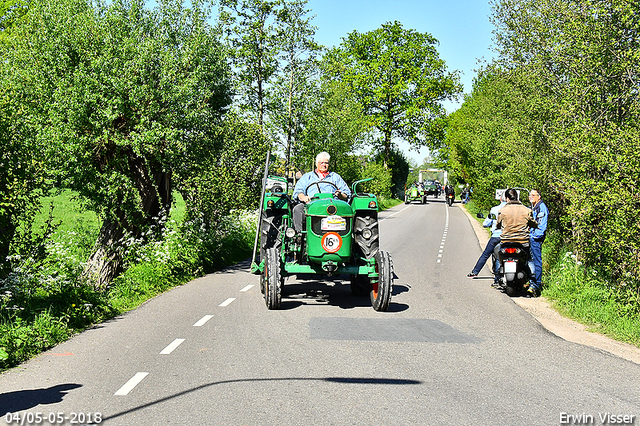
536,254
486,254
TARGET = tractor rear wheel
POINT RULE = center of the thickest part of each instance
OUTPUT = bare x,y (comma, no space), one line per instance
272,279
381,291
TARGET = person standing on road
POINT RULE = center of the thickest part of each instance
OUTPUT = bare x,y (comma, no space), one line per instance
537,236
320,174
491,221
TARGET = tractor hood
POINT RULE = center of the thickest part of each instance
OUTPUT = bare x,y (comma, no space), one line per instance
329,207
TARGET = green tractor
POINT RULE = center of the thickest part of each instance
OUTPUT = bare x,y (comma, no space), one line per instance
415,193
339,239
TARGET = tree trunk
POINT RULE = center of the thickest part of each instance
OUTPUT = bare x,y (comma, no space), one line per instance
154,190
7,231
106,261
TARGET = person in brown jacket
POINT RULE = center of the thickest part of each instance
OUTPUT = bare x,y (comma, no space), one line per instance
515,220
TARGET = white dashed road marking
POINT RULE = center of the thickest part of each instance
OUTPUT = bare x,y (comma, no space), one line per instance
444,236
127,387
227,302
247,288
172,346
203,320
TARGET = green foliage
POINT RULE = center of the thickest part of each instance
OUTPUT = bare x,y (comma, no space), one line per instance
11,13
227,177
252,29
294,84
398,78
22,173
332,122
44,299
558,110
381,184
399,167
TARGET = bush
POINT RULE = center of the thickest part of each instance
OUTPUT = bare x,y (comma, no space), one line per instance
44,301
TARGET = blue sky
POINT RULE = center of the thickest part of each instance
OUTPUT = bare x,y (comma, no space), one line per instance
461,26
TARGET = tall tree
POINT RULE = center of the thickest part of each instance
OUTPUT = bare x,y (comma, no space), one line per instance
400,81
294,85
117,97
251,28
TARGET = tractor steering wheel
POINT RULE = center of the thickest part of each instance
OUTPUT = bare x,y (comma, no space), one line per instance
318,183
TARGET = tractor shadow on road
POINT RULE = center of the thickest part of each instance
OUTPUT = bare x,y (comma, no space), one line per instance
12,402
334,293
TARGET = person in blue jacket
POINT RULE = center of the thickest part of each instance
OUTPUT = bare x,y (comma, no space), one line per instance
320,174
537,236
493,242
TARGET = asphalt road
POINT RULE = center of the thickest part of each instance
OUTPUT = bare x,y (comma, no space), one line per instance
450,351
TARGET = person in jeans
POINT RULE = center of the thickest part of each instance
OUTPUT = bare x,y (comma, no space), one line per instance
493,242
537,236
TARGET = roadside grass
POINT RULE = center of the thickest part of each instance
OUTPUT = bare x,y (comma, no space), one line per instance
584,294
45,301
387,203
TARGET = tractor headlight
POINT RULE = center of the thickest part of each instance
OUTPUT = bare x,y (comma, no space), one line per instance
372,204
290,232
366,233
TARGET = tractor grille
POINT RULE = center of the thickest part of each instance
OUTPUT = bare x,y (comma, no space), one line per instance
316,226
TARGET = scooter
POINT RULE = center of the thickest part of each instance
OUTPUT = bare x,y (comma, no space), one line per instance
516,267
450,199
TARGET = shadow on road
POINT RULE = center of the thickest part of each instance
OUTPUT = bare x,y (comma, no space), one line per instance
333,293
347,380
12,402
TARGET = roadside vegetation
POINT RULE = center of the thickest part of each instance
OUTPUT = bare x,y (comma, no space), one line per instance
149,129
557,109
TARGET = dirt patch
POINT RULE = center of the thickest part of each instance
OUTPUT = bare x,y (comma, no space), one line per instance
563,327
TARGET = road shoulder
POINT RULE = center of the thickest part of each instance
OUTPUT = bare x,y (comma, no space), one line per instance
563,327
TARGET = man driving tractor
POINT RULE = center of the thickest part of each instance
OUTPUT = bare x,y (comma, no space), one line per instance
320,174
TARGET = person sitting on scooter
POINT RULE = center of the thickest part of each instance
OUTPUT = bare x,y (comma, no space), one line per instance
515,220
448,189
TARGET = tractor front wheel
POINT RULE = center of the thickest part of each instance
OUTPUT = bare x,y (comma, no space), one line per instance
272,279
381,291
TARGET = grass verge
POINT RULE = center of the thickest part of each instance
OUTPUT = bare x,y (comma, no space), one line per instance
585,294
44,300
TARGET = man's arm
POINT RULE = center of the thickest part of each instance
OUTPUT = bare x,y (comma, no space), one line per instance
301,185
341,184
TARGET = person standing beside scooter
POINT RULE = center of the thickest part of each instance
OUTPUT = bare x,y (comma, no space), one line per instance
491,221
537,236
